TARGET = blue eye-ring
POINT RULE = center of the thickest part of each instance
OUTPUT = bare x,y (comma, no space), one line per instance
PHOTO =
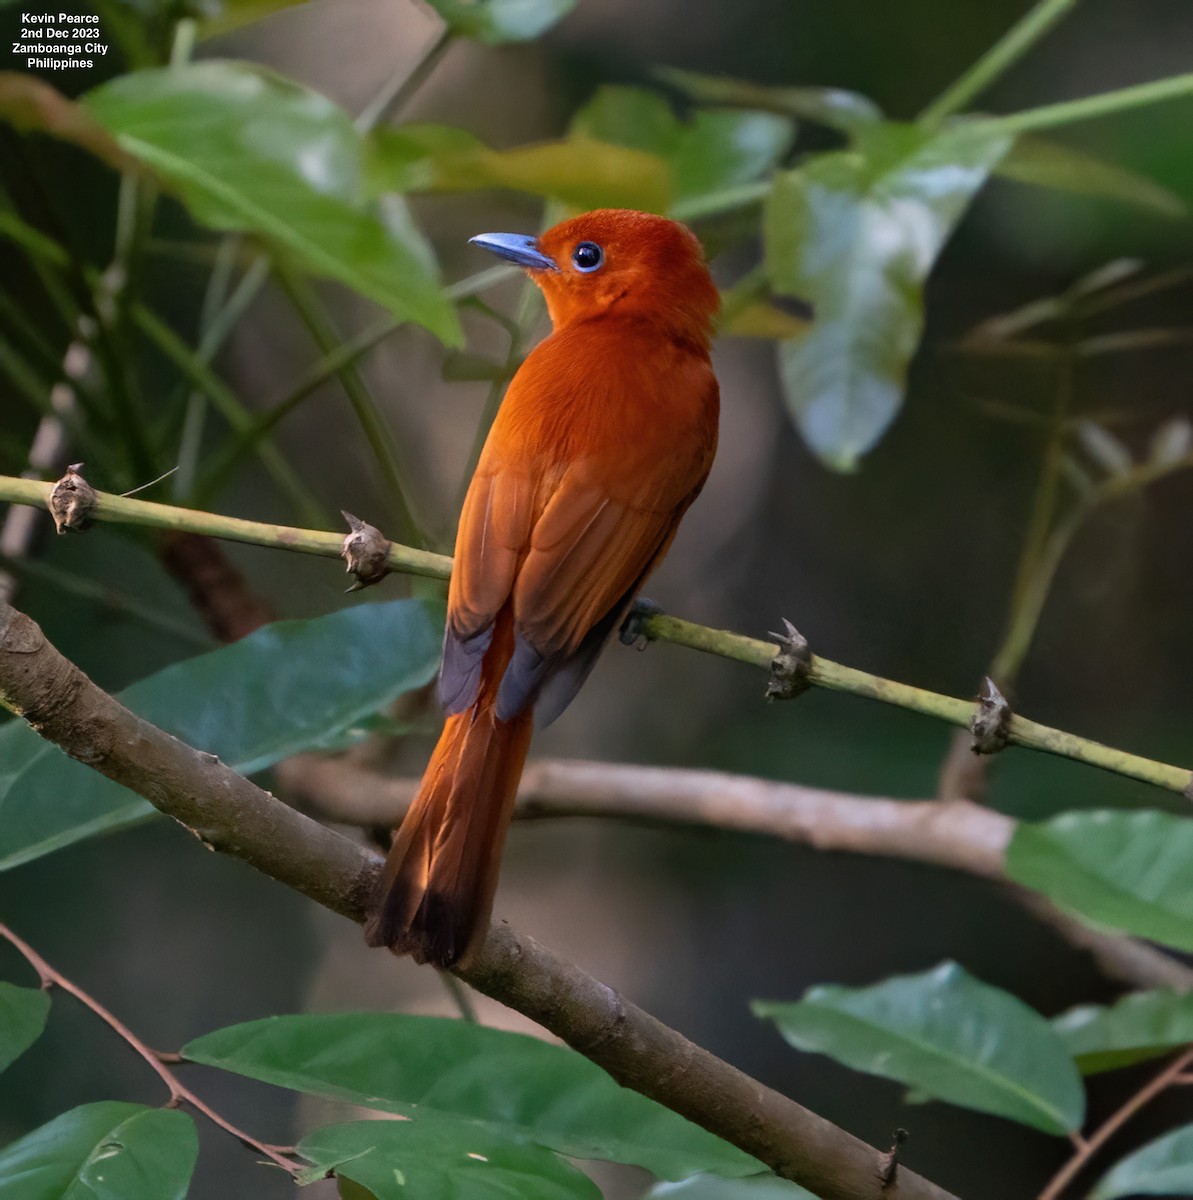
588,257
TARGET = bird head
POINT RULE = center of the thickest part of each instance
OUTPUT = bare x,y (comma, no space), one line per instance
615,261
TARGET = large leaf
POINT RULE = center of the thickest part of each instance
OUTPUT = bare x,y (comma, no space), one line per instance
716,149
709,1187
1141,1025
579,171
497,21
285,688
945,1034
517,1086
856,233
1048,164
1161,1168
104,1151
1127,870
250,151
23,1013
434,1158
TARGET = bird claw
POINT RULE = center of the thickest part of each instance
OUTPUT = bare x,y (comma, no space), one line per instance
790,666
633,630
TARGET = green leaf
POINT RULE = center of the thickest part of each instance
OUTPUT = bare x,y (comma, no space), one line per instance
433,1158
285,688
945,1034
516,1086
250,151
1047,164
497,21
716,149
1125,870
856,233
709,1187
578,171
1140,1026
1161,1168
104,1151
23,1013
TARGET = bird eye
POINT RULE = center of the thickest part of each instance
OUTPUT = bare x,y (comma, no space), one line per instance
587,257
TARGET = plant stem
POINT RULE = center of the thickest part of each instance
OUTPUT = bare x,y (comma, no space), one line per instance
237,416
364,405
1104,104
179,1092
1091,1145
822,673
1011,47
1024,616
397,91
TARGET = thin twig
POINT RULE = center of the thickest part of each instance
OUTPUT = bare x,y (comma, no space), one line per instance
955,834
179,1092
1020,38
822,672
1169,1075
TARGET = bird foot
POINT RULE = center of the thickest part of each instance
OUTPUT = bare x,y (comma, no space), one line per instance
633,630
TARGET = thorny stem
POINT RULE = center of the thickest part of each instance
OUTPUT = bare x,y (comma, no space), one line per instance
822,672
179,1092
1091,1145
1011,47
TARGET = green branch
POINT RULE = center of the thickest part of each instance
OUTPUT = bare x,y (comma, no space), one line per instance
1007,51
822,672
1104,104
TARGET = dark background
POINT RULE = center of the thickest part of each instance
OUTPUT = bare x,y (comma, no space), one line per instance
903,569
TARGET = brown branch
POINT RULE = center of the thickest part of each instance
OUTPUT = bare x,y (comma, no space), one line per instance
234,816
179,1092
956,834
1170,1075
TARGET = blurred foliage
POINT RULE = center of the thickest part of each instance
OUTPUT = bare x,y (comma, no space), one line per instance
834,215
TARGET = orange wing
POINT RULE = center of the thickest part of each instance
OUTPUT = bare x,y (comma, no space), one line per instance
566,534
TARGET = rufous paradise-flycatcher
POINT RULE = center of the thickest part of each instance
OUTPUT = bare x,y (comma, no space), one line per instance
605,436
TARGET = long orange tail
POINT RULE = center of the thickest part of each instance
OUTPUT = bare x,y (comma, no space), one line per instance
437,888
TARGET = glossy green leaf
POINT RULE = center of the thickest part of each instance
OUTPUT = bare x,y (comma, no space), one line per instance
497,21
1126,870
104,1151
285,688
856,233
23,1013
1161,1168
1048,164
709,1187
434,1158
578,171
250,151
947,1035
516,1086
714,150
1141,1025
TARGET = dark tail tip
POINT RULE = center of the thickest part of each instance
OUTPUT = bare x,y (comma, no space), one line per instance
436,932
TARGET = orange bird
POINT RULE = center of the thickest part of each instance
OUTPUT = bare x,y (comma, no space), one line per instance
604,438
